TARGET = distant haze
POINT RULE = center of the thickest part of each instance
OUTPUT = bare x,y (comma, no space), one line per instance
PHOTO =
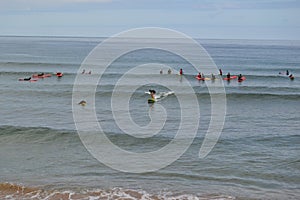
219,19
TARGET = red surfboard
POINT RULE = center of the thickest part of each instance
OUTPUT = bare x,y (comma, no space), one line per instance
200,79
231,77
59,74
242,79
41,76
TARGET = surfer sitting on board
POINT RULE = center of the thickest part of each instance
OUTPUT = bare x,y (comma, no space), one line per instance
240,77
228,75
199,75
181,72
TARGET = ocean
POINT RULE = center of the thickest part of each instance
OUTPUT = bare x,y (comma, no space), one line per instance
256,156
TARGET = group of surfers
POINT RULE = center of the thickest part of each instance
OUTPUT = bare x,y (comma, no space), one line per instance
213,77
228,76
201,76
35,77
83,72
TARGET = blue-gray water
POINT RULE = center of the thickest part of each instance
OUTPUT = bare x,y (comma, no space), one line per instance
257,155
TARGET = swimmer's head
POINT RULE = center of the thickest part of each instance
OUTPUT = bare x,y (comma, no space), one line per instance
82,103
152,91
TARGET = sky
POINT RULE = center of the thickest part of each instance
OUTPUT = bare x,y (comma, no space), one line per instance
207,19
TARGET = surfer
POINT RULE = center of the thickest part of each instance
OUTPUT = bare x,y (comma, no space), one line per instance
83,71
220,72
27,79
152,98
287,72
180,71
152,93
161,71
228,75
240,77
213,77
199,75
169,71
291,77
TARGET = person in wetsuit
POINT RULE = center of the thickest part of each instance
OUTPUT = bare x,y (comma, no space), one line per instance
199,75
228,75
181,71
240,77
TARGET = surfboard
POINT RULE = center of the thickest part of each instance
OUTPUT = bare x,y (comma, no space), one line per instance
200,79
205,79
231,77
41,76
59,74
162,95
159,96
242,79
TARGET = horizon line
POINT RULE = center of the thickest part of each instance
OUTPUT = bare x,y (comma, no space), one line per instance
195,38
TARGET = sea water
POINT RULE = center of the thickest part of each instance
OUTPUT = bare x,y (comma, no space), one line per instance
256,156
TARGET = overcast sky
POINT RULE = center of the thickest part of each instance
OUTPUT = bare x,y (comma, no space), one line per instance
221,19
